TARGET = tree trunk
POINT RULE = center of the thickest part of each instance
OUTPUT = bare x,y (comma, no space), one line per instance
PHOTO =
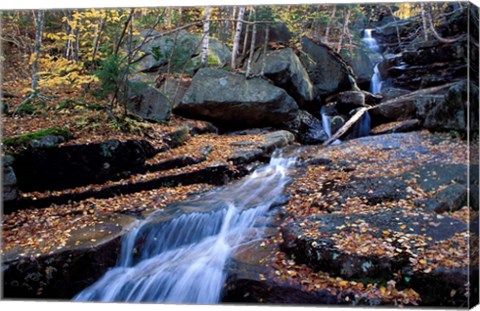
346,126
180,18
36,50
97,38
424,21
236,37
68,32
76,50
252,43
396,24
327,30
436,34
226,27
346,17
265,46
245,40
122,35
206,35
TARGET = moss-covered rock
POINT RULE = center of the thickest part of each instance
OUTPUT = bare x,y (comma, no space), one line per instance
50,137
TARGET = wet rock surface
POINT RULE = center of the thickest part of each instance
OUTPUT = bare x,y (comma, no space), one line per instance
318,249
91,252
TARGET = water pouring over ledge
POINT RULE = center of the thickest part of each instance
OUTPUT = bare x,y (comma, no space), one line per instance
372,44
180,255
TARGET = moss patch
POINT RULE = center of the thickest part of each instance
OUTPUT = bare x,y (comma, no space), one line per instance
22,141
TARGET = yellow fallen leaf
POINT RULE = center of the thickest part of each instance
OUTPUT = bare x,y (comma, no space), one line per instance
343,283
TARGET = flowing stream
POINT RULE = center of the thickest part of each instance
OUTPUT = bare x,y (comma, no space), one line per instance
376,83
179,255
372,44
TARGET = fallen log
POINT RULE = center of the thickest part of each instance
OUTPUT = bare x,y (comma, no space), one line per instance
347,125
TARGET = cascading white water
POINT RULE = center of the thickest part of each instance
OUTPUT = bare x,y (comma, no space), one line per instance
182,260
370,41
372,44
327,125
376,83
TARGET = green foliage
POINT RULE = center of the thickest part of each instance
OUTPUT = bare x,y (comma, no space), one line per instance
22,141
30,107
72,104
156,53
110,74
129,125
212,60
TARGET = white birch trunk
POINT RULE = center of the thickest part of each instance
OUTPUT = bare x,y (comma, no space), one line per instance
252,44
236,37
36,49
206,38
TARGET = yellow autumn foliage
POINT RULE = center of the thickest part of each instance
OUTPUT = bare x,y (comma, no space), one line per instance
60,72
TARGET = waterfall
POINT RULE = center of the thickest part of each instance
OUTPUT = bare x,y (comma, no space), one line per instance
327,125
376,82
372,44
180,255
361,127
370,41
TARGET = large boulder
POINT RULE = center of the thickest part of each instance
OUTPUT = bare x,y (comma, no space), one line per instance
409,106
286,71
327,70
150,104
183,48
350,100
362,61
308,129
174,88
452,112
232,101
278,33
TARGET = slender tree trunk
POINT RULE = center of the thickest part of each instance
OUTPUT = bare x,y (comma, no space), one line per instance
346,17
206,35
76,50
98,38
117,49
436,34
170,57
122,35
236,37
265,47
424,21
36,49
180,17
226,26
327,30
396,24
245,39
252,43
68,32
